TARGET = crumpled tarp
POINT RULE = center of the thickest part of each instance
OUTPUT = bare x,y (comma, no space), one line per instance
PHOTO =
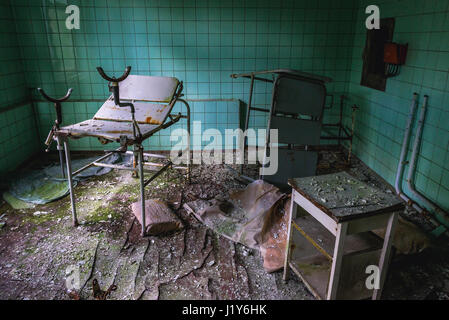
40,186
253,217
257,217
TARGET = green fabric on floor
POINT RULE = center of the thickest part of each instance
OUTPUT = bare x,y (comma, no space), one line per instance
15,203
39,188
43,185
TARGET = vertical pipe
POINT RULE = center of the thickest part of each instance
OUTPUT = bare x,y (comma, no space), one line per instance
70,181
402,161
249,103
139,150
245,138
354,108
417,142
189,155
441,216
405,142
340,123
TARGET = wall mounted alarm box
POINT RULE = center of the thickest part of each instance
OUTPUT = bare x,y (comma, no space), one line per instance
395,53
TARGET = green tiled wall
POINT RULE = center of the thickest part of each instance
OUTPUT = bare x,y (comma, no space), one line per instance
17,137
381,120
17,125
12,81
200,42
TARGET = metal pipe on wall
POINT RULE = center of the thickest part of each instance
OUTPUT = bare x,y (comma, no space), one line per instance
402,162
439,213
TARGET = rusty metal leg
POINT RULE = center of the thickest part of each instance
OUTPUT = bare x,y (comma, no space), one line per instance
135,174
70,181
139,150
291,216
61,156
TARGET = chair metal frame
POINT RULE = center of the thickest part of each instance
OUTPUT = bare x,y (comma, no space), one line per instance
62,134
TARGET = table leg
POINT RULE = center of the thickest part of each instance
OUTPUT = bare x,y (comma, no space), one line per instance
386,253
337,260
291,216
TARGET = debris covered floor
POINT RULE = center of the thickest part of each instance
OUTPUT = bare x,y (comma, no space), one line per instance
38,251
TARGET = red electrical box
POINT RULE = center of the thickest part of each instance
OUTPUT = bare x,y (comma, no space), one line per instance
395,53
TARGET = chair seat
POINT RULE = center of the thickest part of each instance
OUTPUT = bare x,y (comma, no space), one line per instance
109,130
112,122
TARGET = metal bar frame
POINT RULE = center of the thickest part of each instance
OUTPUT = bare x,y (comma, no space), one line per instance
279,73
341,129
273,112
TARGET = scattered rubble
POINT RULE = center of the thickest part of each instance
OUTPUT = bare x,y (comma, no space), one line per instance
191,263
39,213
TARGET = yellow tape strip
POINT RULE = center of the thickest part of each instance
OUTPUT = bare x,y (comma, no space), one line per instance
316,245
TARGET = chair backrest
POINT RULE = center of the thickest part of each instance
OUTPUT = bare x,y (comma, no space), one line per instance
296,112
296,95
144,91
297,109
148,88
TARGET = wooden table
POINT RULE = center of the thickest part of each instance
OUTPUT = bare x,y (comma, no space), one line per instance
335,215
